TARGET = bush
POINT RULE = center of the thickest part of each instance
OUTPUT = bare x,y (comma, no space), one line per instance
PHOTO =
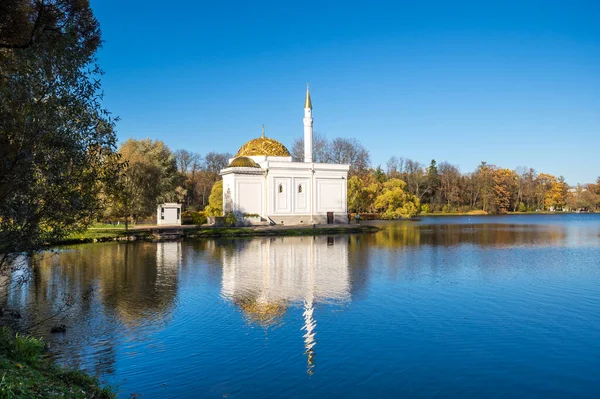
447,209
20,347
230,219
191,217
425,208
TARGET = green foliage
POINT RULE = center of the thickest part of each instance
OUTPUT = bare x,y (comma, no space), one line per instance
522,207
196,218
215,201
57,142
394,202
26,373
425,208
21,348
230,219
150,178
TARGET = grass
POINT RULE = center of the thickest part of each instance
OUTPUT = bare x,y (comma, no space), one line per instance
101,234
25,372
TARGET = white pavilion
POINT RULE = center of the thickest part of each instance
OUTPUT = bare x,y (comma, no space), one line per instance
263,181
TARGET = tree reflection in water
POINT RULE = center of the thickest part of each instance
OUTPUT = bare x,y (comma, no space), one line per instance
102,292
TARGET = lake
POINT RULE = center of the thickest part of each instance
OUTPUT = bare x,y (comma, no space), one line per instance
444,307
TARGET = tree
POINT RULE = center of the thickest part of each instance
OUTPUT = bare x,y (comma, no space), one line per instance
394,202
215,201
542,185
395,167
339,150
449,184
320,148
149,178
57,142
187,161
362,193
351,152
414,177
504,184
556,196
214,162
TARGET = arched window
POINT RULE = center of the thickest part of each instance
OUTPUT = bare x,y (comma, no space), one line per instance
299,188
281,188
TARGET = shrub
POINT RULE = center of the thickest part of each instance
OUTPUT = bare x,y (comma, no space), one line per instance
215,200
21,347
191,217
230,219
425,208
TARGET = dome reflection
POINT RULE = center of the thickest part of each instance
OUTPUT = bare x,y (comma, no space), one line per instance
265,276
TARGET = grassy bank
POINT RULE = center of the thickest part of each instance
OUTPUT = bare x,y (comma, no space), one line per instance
26,373
119,234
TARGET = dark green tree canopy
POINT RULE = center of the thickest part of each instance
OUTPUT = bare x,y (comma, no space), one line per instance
57,144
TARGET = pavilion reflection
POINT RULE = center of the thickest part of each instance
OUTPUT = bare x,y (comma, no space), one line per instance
264,277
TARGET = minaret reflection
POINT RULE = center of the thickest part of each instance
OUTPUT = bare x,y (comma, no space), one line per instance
266,276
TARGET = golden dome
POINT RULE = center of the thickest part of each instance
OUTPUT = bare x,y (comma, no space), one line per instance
243,162
263,146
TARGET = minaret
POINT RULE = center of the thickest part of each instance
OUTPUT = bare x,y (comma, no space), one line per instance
308,127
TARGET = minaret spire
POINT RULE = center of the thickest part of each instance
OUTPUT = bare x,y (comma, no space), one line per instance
307,102
308,127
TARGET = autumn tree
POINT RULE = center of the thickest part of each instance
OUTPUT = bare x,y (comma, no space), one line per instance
362,193
57,143
215,201
504,187
395,202
149,179
556,195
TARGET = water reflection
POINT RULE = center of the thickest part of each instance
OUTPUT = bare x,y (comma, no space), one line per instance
102,292
263,277
441,300
487,231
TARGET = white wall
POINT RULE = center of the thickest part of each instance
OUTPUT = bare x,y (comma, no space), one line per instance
249,193
331,195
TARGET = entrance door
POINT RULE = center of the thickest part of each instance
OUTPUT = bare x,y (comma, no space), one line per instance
329,217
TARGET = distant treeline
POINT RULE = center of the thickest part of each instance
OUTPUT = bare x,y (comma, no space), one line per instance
404,188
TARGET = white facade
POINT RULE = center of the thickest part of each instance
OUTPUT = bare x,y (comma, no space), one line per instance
285,192
168,214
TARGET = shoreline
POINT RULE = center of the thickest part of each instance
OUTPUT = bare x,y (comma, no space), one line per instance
144,232
94,235
28,372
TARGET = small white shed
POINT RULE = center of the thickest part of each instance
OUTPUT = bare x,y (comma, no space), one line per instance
168,214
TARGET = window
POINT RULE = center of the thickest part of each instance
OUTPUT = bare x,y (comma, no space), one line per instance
162,213
299,188
178,213
281,188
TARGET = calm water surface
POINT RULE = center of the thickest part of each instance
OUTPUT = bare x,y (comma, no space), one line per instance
453,307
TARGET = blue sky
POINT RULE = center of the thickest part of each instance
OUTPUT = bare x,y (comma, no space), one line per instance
510,83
